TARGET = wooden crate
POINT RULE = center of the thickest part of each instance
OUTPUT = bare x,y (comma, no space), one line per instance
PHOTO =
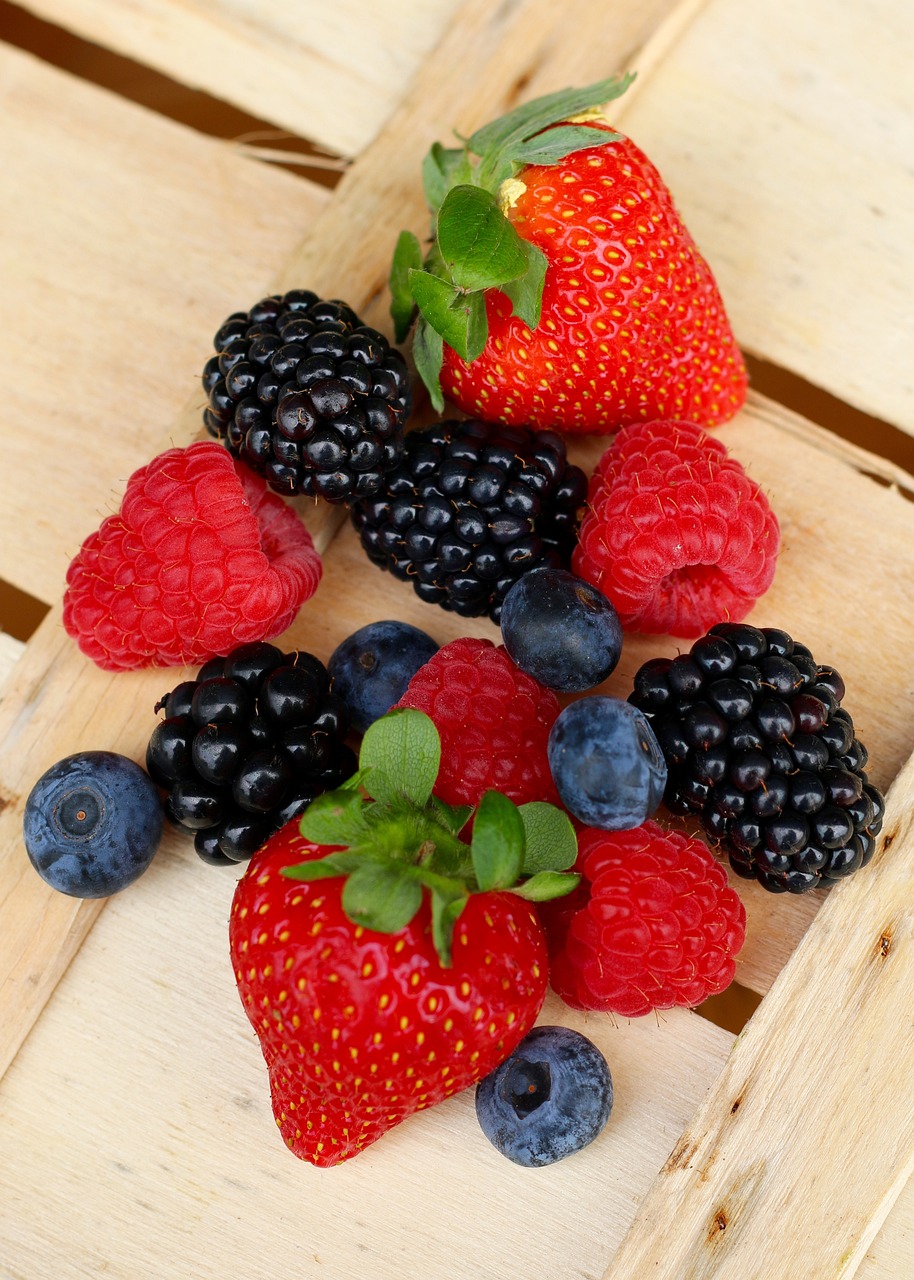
135,1131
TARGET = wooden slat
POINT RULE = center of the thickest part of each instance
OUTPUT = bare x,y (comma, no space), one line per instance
126,241
786,132
143,1082
331,73
812,1119
170,1156
10,653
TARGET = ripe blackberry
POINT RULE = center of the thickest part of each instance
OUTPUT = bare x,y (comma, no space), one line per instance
471,507
308,396
246,747
757,743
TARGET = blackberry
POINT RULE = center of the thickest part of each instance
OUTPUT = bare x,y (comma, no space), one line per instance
757,743
472,507
307,396
246,747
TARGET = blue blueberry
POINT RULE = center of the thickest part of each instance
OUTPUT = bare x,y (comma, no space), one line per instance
92,824
561,630
606,764
373,666
550,1098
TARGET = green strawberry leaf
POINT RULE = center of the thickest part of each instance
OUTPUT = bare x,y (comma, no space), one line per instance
337,817
555,144
403,752
509,131
546,885
381,896
428,355
327,868
526,292
497,847
407,256
452,817
550,841
479,245
443,168
459,317
446,909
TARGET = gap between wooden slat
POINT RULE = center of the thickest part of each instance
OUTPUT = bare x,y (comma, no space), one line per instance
157,92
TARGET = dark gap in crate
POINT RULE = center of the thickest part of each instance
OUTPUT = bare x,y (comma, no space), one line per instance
159,93
732,1009
20,613
819,406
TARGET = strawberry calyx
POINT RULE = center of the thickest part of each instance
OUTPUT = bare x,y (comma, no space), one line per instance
393,840
474,246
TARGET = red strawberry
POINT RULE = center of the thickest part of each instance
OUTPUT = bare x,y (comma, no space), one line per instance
629,324
392,964
359,1028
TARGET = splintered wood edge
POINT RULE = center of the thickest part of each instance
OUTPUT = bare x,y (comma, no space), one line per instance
821,1072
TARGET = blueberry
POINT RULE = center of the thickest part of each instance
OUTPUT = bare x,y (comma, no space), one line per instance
560,630
92,824
606,763
550,1098
372,667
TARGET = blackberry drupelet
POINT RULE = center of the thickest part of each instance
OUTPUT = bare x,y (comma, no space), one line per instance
471,507
757,743
308,396
246,747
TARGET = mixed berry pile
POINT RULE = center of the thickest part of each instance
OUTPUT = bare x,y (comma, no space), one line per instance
506,823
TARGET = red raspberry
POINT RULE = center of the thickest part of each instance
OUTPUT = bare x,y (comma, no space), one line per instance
200,558
677,535
653,924
494,723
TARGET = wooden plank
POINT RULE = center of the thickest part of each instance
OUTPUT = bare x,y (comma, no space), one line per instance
127,240
799,189
10,653
331,73
813,1115
143,1081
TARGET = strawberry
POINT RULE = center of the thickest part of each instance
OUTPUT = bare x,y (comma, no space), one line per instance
384,964
562,289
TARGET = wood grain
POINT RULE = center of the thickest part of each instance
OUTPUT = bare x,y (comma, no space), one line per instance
330,73
815,1098
127,241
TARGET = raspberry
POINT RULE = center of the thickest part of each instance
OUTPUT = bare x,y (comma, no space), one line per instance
199,558
494,723
653,924
677,536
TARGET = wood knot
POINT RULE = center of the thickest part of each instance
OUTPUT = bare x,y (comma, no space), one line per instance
884,945
736,1106
888,841
718,1225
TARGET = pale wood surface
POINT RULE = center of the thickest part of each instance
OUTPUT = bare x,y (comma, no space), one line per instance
330,73
10,652
143,1082
127,240
785,131
815,1099
126,1103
